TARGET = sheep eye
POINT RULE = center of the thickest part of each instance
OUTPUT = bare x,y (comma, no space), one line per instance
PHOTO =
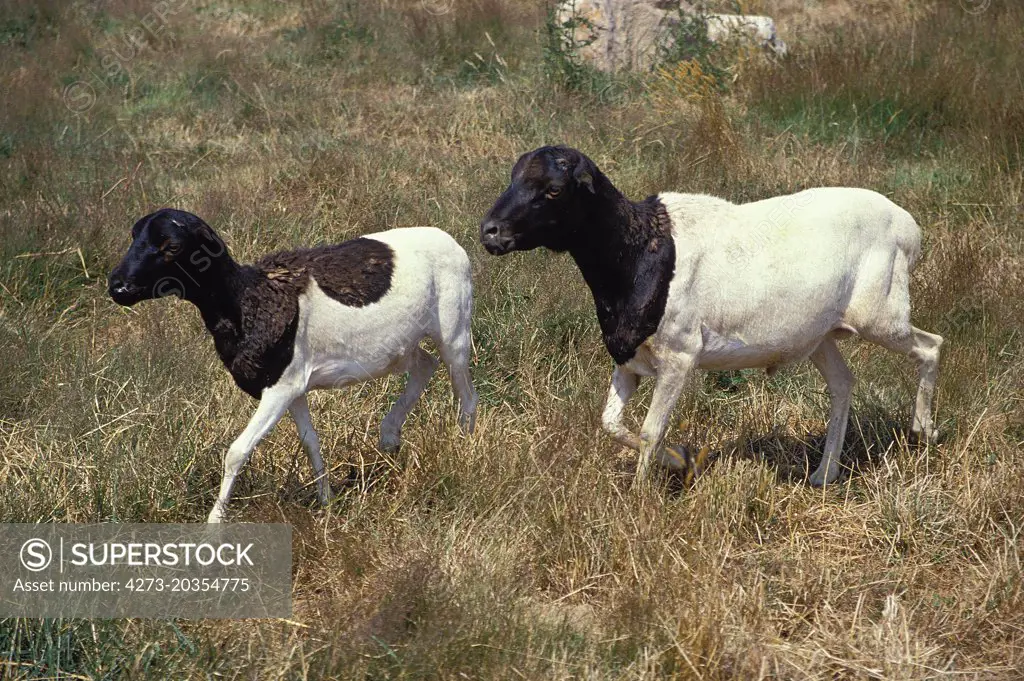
552,192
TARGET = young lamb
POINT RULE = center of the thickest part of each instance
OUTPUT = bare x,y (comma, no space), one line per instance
322,317
685,281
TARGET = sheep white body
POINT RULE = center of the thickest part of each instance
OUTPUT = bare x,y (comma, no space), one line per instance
337,345
430,296
773,282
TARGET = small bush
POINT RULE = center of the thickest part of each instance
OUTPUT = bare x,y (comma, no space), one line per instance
686,40
562,61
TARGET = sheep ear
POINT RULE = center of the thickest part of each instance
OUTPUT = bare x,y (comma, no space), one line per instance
206,232
584,178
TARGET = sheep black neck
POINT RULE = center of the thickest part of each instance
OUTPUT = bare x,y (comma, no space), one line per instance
253,319
218,291
627,257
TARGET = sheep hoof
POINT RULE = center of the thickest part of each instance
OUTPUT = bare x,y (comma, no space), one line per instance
676,458
640,485
821,478
929,437
390,444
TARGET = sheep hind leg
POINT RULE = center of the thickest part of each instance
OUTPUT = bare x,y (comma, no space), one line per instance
828,360
456,357
421,365
454,339
299,410
926,352
466,394
924,348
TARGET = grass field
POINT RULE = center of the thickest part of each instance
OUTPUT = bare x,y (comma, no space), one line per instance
517,552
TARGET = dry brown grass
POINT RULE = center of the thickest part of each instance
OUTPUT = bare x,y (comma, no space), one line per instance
517,552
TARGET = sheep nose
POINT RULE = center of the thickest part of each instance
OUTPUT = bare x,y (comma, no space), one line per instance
118,287
491,238
489,229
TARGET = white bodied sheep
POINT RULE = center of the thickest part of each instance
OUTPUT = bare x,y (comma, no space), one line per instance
323,317
725,27
685,281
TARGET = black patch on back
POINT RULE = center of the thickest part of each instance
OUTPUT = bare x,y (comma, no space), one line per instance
257,343
355,273
629,273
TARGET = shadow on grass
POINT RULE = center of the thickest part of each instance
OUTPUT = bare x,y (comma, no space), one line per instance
871,434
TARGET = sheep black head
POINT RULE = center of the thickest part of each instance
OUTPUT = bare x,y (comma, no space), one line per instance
171,253
547,204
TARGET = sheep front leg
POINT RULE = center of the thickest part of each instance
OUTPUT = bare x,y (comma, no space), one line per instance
671,380
840,381
273,403
624,383
421,365
299,410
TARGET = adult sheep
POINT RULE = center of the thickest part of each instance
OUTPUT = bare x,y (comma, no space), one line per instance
687,281
322,317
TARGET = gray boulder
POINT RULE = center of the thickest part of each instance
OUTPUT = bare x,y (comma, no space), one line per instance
618,35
